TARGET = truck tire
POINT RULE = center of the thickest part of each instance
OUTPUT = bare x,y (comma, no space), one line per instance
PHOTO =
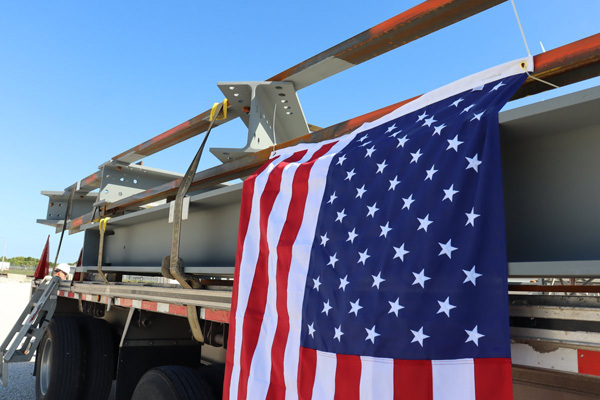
98,359
57,371
214,375
172,383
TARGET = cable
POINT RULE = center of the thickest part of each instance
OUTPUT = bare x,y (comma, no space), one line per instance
520,27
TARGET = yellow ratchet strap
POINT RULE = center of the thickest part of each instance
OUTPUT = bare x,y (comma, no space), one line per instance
102,225
222,114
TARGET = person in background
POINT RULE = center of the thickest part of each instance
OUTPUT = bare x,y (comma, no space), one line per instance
62,271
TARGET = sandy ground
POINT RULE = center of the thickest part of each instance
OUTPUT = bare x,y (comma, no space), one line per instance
14,296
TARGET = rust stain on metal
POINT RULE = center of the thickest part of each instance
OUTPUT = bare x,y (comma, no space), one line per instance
419,21
573,62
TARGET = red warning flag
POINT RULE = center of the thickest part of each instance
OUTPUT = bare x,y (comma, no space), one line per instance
77,275
42,269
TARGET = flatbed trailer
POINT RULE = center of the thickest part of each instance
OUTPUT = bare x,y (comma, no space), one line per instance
127,316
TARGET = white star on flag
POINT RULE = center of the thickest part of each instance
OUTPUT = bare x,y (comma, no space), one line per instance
332,260
311,330
381,167
437,130
445,307
415,156
402,141
352,235
371,334
474,163
424,223
343,283
407,202
355,307
377,279
363,257
317,283
393,183
474,336
449,193
324,239
400,252
454,143
338,333
471,217
360,191
420,278
430,172
326,308
419,336
340,215
395,306
472,276
349,175
447,248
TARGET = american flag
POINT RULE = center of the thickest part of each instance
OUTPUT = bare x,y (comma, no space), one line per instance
374,266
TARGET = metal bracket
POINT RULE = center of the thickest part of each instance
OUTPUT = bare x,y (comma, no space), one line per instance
270,110
126,328
57,207
123,180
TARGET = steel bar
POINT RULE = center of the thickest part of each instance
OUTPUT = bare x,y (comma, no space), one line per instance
216,299
90,182
421,20
554,288
564,63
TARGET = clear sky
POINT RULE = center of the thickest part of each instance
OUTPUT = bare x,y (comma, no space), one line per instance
83,81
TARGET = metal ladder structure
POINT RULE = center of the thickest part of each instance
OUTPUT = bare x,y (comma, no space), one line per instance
26,334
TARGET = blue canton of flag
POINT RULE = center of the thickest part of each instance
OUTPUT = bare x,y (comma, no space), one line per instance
409,258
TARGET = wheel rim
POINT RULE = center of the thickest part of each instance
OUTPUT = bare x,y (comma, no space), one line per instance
46,366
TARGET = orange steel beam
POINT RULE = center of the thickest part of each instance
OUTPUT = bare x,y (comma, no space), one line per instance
567,64
419,21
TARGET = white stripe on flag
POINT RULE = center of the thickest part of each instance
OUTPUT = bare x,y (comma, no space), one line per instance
453,379
299,265
376,378
260,369
324,388
247,269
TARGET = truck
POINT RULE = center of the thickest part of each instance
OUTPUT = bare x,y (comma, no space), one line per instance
148,306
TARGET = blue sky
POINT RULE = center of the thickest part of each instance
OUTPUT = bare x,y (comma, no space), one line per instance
83,81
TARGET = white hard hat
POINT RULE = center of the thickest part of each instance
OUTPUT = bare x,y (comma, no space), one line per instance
64,267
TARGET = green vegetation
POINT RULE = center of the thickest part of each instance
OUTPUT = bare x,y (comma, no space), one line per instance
25,263
21,271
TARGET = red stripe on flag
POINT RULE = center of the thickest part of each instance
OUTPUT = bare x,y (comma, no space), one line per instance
258,292
347,377
246,207
307,367
413,380
493,378
284,260
588,362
